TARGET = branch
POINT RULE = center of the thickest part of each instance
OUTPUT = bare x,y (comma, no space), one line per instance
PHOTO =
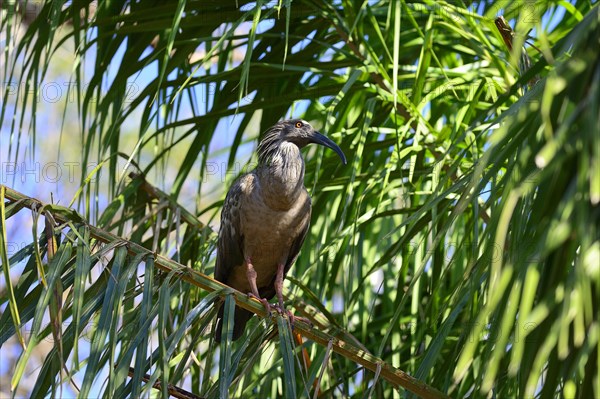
393,375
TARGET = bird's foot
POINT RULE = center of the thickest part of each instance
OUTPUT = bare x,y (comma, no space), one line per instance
293,318
264,301
281,310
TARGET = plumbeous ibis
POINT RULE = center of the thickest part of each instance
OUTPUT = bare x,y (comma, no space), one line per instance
265,218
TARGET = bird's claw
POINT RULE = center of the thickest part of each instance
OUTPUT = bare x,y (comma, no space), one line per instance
279,309
264,301
293,318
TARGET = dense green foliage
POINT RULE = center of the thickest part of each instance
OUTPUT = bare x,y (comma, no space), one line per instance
460,244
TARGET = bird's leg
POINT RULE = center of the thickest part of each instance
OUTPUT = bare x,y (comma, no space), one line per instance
251,276
279,291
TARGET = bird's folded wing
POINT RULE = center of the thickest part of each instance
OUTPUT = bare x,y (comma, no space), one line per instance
229,252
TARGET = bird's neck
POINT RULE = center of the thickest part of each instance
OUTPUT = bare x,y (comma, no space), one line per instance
282,177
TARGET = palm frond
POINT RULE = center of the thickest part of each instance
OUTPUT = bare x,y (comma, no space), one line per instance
460,244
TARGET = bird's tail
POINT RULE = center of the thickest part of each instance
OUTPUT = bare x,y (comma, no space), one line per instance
240,318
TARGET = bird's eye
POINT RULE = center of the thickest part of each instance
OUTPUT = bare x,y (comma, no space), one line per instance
298,125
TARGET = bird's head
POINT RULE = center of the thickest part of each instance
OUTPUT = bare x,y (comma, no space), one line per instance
295,131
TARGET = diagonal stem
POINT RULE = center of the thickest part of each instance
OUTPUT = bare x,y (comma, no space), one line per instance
391,374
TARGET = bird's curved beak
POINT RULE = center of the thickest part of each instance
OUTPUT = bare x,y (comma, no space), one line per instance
318,138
